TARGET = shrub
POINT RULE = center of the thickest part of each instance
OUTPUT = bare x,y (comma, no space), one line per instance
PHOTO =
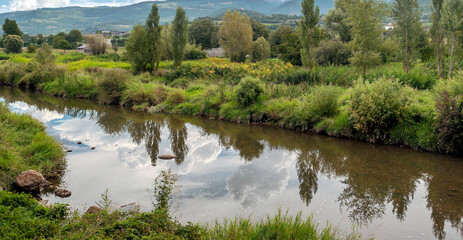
449,122
31,49
97,44
260,50
141,93
377,107
193,52
112,85
323,102
332,53
298,76
176,96
248,91
13,44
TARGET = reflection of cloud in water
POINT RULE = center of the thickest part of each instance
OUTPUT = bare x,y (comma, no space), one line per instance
83,129
134,158
43,115
202,150
261,177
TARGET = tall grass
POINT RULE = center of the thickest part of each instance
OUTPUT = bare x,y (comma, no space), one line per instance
24,145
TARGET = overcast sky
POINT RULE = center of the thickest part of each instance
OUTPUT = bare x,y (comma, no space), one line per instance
20,5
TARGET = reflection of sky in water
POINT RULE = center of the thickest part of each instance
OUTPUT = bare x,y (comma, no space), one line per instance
216,182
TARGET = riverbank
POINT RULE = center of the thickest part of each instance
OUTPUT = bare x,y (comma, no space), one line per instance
414,110
25,145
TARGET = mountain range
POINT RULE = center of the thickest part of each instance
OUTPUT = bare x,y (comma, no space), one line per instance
90,19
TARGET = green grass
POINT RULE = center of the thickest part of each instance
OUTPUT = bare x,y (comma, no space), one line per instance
24,145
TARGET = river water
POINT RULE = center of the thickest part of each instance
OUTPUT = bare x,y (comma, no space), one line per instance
229,170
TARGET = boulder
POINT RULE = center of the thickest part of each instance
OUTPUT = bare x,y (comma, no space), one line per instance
62,193
167,156
93,209
31,180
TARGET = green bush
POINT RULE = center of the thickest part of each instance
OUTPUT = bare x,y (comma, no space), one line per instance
140,93
113,84
332,53
13,44
260,50
377,107
449,122
248,91
323,102
31,49
176,96
193,52
298,76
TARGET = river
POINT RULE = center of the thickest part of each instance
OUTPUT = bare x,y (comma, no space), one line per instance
229,170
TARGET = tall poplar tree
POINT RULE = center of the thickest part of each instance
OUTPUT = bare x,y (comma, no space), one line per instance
406,15
365,18
452,23
308,31
179,36
153,33
437,35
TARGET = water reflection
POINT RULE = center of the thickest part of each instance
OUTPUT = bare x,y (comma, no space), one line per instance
376,180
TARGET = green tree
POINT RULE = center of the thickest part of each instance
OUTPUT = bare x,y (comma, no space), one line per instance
10,27
452,23
365,18
308,31
336,20
235,35
260,50
166,43
56,40
44,55
289,48
77,35
97,44
136,49
63,44
406,15
179,36
153,33
437,35
276,38
203,32
13,44
259,30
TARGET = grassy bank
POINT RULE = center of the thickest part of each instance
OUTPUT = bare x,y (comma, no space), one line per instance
385,106
24,145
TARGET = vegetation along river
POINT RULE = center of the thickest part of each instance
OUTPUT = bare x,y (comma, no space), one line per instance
227,170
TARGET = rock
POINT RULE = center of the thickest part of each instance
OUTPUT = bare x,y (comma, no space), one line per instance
129,207
167,156
93,148
69,150
79,142
93,209
62,193
31,180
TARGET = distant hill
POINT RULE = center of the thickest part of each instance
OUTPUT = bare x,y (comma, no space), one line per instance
54,20
88,20
293,7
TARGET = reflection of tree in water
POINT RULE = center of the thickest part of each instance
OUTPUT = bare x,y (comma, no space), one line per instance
178,136
445,200
111,123
150,131
307,167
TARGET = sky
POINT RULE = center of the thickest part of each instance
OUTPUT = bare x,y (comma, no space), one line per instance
21,5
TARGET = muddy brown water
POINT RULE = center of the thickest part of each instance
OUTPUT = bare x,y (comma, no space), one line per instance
227,170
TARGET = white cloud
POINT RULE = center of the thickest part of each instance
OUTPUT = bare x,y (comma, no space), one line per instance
20,5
